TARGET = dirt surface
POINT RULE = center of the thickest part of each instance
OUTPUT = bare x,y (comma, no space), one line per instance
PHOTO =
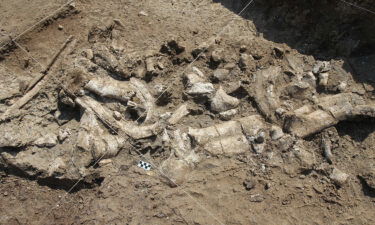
262,118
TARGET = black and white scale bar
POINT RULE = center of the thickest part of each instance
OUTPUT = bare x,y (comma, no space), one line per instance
144,165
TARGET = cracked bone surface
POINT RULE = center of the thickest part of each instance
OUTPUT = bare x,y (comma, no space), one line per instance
142,92
124,91
265,95
111,88
182,159
121,127
228,138
308,119
96,140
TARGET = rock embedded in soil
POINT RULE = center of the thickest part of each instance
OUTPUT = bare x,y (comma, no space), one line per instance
323,79
228,115
249,184
276,132
321,67
245,61
220,75
191,79
201,89
338,177
217,55
257,198
368,175
342,86
48,141
63,134
222,102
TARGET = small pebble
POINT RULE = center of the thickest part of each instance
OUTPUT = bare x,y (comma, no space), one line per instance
142,13
249,184
256,198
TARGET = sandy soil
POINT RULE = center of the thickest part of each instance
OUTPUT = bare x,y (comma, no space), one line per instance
285,180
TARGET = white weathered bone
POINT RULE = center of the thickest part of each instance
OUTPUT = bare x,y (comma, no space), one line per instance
180,113
120,127
142,92
228,138
111,88
92,138
307,120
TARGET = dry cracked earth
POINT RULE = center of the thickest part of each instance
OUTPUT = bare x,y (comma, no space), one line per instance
187,112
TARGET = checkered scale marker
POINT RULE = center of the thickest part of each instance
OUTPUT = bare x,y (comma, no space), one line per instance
144,165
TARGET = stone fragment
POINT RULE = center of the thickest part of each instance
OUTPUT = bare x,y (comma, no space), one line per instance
299,90
276,132
117,115
63,134
306,158
173,47
191,79
342,86
143,13
217,55
223,102
48,141
201,89
150,65
323,79
368,175
220,75
139,72
260,138
105,162
321,66
65,99
228,115
257,198
278,52
229,66
88,53
310,79
245,61
339,177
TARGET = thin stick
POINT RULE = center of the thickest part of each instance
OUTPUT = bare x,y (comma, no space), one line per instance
49,65
35,88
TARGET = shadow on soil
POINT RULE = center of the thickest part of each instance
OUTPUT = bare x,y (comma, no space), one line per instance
325,29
